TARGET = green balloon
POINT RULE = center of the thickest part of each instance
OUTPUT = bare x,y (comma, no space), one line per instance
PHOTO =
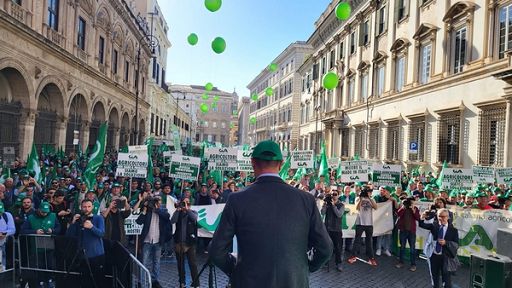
205,96
343,11
218,45
192,39
252,120
215,98
212,5
330,80
272,67
208,86
254,97
269,91
204,108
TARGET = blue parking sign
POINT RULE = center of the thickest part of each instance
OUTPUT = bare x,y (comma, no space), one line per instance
413,147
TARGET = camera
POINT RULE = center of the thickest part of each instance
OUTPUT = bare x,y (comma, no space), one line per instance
365,192
328,199
432,211
181,204
151,202
120,203
84,218
407,202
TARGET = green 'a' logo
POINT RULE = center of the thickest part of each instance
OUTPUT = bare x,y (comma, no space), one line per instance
480,237
202,221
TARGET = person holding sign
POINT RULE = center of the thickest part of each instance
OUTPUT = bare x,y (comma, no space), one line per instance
273,250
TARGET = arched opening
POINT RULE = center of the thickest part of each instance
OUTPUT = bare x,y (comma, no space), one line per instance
142,131
133,139
50,107
125,131
98,117
14,96
113,128
77,115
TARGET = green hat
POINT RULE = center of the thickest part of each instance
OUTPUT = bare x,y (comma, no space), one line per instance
428,188
267,150
508,195
45,207
239,185
101,186
480,194
388,188
116,185
91,190
204,184
2,209
454,193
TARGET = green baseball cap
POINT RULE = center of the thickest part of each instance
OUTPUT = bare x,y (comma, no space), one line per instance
480,194
267,150
45,207
2,209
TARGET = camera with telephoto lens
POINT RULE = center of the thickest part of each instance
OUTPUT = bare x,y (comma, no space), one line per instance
365,192
151,202
407,202
181,204
328,199
431,212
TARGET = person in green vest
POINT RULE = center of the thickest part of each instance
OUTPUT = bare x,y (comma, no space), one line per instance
42,222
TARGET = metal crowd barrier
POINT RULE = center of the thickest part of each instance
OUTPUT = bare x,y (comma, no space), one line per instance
7,261
128,272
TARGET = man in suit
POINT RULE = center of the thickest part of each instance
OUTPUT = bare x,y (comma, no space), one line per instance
275,225
443,233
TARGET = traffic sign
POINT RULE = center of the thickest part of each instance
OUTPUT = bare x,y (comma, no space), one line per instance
413,147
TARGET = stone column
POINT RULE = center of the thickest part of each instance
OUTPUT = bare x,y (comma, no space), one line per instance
116,138
61,126
84,135
26,132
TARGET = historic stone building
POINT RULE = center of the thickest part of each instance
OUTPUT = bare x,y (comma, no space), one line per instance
422,82
70,65
277,115
243,121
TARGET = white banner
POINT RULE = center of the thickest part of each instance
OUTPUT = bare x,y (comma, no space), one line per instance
333,163
354,171
244,161
504,175
457,178
208,219
302,159
483,174
132,165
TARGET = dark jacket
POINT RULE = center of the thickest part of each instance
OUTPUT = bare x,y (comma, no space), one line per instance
164,224
121,215
452,234
275,225
333,215
186,226
401,220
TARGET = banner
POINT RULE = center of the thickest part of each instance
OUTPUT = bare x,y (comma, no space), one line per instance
354,171
333,163
167,156
302,159
208,219
483,174
504,175
130,226
244,161
386,175
478,229
184,167
222,158
457,178
132,165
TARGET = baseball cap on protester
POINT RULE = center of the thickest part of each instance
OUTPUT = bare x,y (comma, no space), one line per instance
45,207
267,150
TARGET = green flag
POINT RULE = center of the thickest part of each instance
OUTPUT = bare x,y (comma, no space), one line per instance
33,164
299,174
324,166
124,149
338,171
217,177
356,157
286,167
149,143
96,158
439,180
6,173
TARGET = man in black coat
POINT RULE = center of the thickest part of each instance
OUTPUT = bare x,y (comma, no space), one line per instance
444,235
275,225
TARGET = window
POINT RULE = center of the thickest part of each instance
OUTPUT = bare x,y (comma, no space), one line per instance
417,135
364,86
460,50
344,142
157,120
393,141
153,74
53,14
380,80
161,126
101,50
223,139
381,20
205,124
332,58
153,123
323,65
373,138
342,50
400,74
425,60
214,138
126,70
214,124
359,141
402,9
352,43
492,136
115,57
364,37
165,128
351,89
449,137
505,30
157,73
81,33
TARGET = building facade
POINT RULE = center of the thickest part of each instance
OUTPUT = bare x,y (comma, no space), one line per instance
421,82
243,121
68,66
214,125
277,115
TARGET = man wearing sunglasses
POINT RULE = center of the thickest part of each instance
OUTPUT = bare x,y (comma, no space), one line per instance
333,210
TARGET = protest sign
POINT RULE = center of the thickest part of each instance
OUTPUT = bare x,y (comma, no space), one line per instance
184,167
483,174
209,218
244,161
457,178
302,159
130,226
222,158
132,165
167,156
333,163
354,171
386,175
504,175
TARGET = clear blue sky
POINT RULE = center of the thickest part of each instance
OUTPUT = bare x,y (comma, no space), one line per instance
255,32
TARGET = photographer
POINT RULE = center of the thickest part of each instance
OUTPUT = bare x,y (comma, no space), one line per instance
155,232
364,223
333,210
114,215
408,214
89,230
185,238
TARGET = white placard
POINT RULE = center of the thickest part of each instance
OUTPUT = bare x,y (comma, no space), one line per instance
132,165
504,175
184,167
333,163
302,159
457,178
483,174
354,171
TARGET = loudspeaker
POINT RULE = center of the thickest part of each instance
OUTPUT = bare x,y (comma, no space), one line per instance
490,271
504,242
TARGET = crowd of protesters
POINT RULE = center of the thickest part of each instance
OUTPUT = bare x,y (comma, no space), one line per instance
55,206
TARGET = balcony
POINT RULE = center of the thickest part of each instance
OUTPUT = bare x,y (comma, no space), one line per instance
81,54
18,12
333,118
54,36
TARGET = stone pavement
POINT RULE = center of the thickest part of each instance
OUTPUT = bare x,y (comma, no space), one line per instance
354,275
